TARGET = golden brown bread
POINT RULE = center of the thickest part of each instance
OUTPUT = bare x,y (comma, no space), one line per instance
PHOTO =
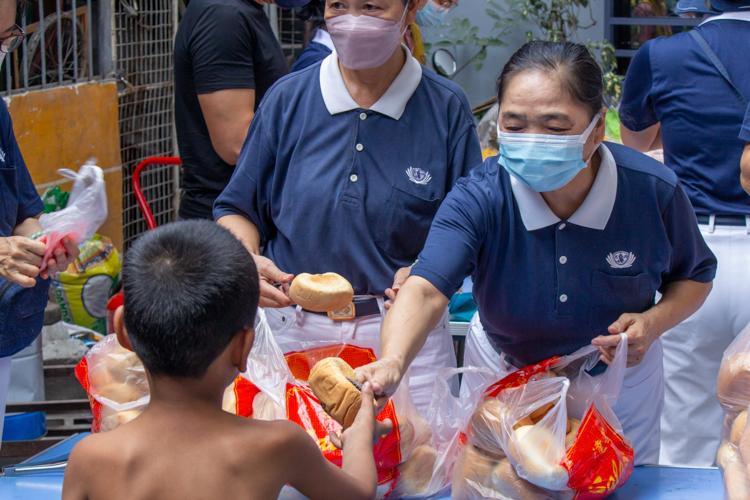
506,481
335,385
118,419
573,425
726,451
321,292
416,472
486,425
733,383
535,448
738,426
119,392
472,474
736,485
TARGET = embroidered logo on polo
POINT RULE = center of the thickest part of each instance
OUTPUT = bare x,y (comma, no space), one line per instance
418,176
2,155
621,260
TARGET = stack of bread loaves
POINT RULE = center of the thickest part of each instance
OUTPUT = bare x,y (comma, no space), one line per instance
499,437
116,383
733,392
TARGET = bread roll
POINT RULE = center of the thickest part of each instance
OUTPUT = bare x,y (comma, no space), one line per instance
264,408
733,383
535,457
335,385
736,485
416,472
744,447
508,484
541,412
120,418
321,292
573,425
472,475
485,426
738,426
229,403
726,451
119,393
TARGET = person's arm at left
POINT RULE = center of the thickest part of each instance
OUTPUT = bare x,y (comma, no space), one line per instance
639,125
680,300
228,114
745,168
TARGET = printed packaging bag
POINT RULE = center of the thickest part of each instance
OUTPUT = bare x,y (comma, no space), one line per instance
546,432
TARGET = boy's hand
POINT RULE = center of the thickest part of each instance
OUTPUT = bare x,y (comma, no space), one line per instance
365,421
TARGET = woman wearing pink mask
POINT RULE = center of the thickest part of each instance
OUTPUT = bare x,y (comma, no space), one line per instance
344,167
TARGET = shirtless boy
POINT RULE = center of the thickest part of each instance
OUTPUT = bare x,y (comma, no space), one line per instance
191,292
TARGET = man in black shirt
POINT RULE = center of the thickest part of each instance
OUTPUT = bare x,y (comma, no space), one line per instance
226,58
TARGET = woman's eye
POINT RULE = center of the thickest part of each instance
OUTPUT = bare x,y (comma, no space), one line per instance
557,130
513,129
337,5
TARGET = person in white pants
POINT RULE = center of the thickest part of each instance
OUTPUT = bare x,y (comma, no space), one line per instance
344,167
680,88
567,240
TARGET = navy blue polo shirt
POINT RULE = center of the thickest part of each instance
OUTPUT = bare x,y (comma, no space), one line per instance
333,187
313,53
745,130
671,81
18,197
547,287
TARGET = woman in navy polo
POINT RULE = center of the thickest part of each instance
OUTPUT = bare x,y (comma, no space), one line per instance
20,205
567,240
344,167
688,94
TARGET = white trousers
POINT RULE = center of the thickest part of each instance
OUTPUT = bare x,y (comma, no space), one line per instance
692,422
294,324
639,405
4,384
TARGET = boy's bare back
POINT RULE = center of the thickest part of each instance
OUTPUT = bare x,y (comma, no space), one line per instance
191,454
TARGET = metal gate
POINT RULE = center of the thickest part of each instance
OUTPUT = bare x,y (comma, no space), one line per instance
143,36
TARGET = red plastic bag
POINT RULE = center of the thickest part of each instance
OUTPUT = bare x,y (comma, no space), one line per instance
275,387
546,432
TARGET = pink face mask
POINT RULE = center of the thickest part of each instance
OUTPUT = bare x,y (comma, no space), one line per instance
364,42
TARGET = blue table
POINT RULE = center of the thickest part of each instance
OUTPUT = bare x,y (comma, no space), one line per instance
32,482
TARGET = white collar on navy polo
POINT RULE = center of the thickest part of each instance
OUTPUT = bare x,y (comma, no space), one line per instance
732,16
322,37
392,103
593,213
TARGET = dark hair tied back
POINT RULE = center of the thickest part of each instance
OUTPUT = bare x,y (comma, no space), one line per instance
579,73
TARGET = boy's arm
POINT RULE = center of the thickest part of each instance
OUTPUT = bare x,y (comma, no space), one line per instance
76,480
316,478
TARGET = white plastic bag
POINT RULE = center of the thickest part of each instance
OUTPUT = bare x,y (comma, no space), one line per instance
85,213
733,382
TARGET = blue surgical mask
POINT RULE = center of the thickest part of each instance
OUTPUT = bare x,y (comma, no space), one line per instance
433,14
543,162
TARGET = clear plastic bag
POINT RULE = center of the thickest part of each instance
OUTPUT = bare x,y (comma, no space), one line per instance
735,471
733,382
546,431
275,387
85,212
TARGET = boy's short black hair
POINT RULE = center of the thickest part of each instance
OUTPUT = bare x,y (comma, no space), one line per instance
189,288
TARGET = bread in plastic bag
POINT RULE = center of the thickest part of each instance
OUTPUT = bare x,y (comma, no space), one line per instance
733,382
85,212
275,387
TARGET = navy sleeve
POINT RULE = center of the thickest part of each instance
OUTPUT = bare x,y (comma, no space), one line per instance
466,153
221,49
314,53
636,107
29,202
745,130
249,189
451,252
691,257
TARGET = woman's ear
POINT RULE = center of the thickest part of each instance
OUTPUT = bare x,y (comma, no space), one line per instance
120,330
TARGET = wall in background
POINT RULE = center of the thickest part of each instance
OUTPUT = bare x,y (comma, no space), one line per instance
65,126
480,85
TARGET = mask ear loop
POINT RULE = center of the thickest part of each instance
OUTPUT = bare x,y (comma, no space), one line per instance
585,136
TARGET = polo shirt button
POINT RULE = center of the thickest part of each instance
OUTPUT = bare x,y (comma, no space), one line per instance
563,298
360,147
563,259
353,177
363,116
561,226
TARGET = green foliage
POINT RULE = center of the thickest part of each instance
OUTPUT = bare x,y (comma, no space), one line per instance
557,20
